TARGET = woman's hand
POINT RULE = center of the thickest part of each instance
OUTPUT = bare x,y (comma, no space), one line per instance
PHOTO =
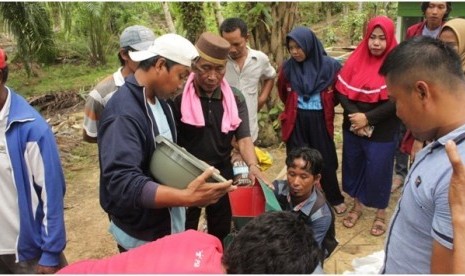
358,120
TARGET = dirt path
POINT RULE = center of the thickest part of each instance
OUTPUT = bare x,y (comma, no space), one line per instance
87,224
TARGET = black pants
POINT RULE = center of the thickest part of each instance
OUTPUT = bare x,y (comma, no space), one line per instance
218,218
310,131
401,159
121,249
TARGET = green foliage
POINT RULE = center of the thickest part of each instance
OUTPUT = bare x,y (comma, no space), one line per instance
353,25
209,17
31,26
94,22
60,78
235,9
191,15
149,14
252,13
329,36
90,30
381,8
61,15
315,12
259,11
72,47
271,116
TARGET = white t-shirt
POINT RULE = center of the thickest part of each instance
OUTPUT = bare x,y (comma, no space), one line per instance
9,210
161,120
257,67
177,214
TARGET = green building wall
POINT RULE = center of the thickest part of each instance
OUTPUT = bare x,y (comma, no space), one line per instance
410,13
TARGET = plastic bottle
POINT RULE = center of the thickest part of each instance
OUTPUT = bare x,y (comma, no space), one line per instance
241,174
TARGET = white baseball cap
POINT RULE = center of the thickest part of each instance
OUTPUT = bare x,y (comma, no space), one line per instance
171,46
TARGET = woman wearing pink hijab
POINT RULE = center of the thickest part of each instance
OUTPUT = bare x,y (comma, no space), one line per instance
370,125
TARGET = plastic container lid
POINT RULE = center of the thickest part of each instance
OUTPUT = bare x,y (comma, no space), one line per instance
174,166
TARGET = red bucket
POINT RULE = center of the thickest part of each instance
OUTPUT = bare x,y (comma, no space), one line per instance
247,201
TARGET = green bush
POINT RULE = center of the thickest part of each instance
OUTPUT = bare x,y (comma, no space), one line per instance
353,25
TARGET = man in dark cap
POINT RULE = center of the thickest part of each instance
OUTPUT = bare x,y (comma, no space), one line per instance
133,38
209,114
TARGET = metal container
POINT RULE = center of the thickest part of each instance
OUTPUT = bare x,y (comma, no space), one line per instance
174,166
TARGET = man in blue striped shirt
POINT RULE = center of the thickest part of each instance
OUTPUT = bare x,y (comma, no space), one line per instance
425,80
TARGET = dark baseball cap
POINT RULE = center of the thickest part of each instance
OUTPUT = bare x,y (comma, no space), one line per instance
137,37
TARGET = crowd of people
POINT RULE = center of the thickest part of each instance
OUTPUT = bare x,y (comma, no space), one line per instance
205,97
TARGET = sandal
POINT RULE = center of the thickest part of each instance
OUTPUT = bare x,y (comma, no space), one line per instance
340,209
352,217
379,227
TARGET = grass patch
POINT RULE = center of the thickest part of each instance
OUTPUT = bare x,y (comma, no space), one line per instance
59,78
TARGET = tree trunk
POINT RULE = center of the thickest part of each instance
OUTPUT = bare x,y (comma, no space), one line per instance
192,19
375,9
316,7
285,14
168,18
328,6
269,36
218,14
346,9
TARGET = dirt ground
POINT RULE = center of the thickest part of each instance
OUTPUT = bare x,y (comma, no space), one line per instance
87,224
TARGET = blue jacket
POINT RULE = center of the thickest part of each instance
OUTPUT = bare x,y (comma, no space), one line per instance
126,134
41,219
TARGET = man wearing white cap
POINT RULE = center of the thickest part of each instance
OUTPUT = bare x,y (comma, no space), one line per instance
140,209
133,38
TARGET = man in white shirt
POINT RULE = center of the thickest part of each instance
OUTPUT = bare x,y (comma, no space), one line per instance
247,69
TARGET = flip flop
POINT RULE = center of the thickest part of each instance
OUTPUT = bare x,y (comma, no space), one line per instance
379,227
342,208
352,218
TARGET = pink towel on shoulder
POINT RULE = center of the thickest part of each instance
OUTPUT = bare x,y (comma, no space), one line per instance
191,109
